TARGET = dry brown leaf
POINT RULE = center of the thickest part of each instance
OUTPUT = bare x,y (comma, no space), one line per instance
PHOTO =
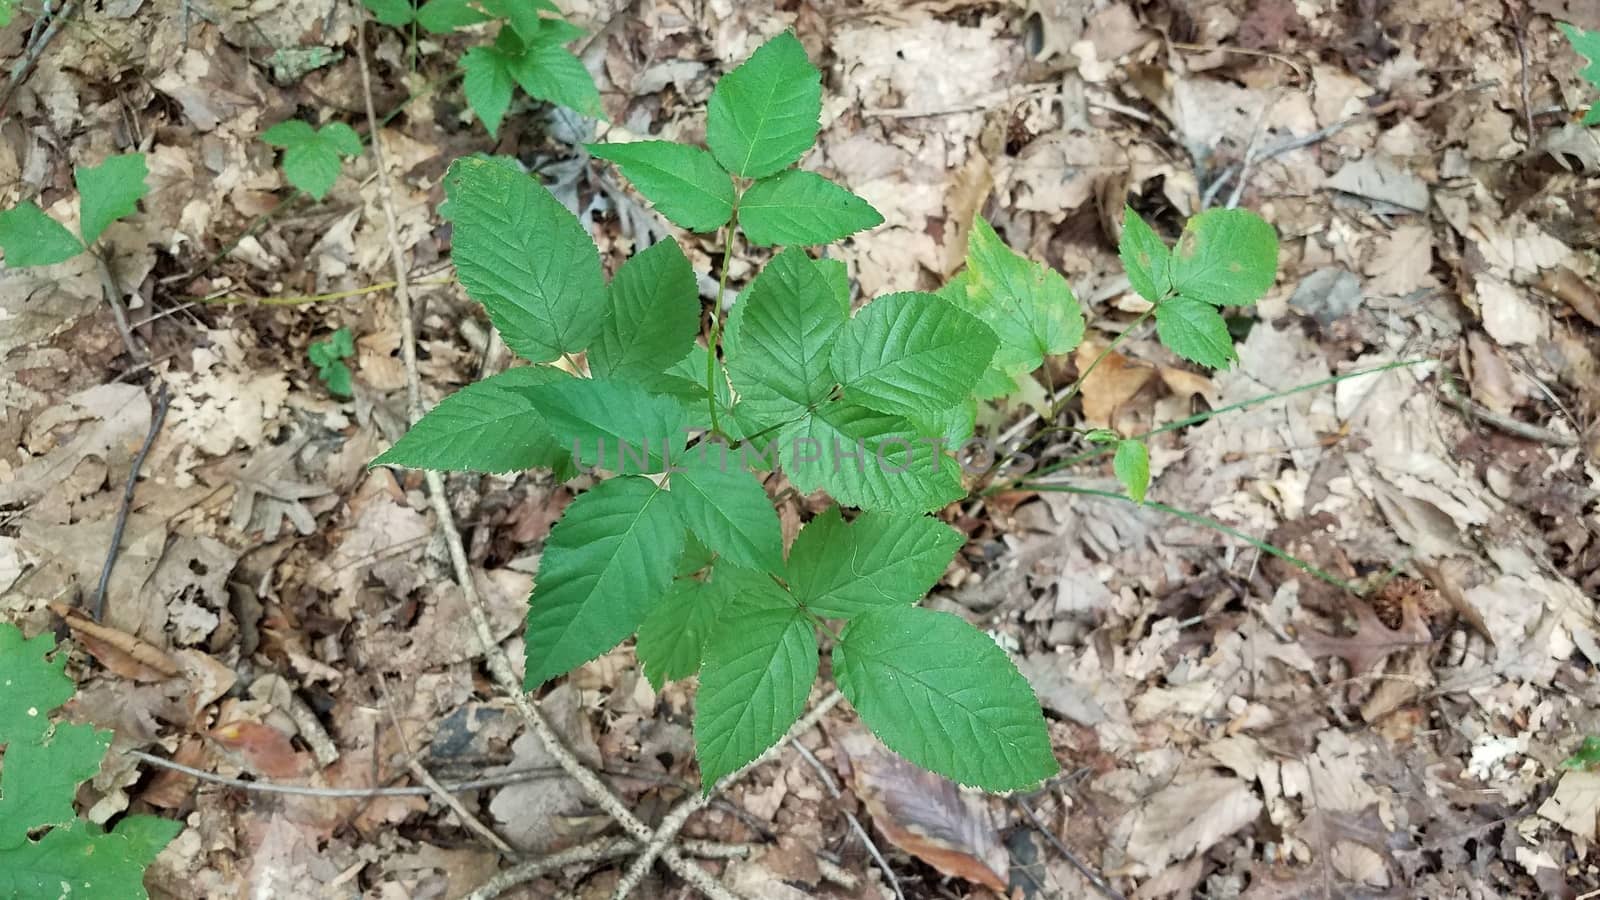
1566,285
123,654
1111,385
1402,262
264,749
1575,805
1373,641
1189,818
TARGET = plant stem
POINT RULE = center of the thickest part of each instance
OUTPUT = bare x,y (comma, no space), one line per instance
1060,403
715,334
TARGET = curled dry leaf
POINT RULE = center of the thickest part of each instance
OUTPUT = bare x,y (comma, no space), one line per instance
121,653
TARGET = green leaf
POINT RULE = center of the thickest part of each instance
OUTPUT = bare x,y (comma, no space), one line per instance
1132,466
1587,45
615,425
1225,257
725,506
684,182
655,315
1587,757
868,459
549,72
527,259
943,695
605,564
108,192
764,114
523,15
7,10
396,13
841,570
1145,257
491,426
673,635
778,356
445,16
41,778
758,669
311,157
337,376
1029,305
31,685
1195,331
911,353
30,238
797,207
488,84
98,866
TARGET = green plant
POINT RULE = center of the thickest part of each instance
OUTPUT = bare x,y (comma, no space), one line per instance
528,51
329,356
1587,45
1586,758
311,157
681,544
106,193
45,849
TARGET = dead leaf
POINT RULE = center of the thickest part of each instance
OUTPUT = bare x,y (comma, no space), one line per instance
1373,641
264,749
120,652
1402,263
1575,805
1566,285
1189,818
1376,177
1111,385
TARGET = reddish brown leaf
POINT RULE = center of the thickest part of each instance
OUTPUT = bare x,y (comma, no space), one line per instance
1373,641
266,750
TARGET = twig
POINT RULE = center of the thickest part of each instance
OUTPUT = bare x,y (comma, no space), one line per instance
517,776
660,842
108,285
1519,30
1083,869
855,823
1475,410
594,851
495,658
30,56
163,400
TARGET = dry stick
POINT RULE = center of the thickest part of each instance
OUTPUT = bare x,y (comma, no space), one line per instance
1083,869
855,823
1510,425
163,400
517,776
498,663
674,821
594,851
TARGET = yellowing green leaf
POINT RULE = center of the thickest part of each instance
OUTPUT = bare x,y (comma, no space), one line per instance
1028,304
797,207
764,114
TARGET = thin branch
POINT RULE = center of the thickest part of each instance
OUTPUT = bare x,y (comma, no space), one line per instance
855,823
1474,410
1094,878
163,400
594,851
495,658
516,776
30,55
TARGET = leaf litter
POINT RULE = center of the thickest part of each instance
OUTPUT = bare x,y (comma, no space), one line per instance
1229,724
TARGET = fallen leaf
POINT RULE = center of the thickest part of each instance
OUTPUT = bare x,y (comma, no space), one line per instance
123,654
1373,641
1189,818
264,749
1575,805
1402,262
1376,177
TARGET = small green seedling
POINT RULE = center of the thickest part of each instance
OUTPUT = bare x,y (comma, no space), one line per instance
106,193
7,10
329,356
1586,758
528,51
1587,44
681,545
311,156
45,849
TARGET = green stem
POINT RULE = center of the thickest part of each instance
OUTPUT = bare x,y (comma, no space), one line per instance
715,334
1077,386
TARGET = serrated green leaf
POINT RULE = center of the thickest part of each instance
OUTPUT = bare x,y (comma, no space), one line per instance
311,158
1132,467
1225,257
605,564
911,353
942,694
868,459
615,425
98,866
1029,305
759,665
522,255
340,381
31,684
523,15
841,570
778,358
29,237
550,72
685,381
724,505
1587,45
445,16
1145,257
7,10
41,778
487,83
764,114
108,192
673,635
685,183
797,207
491,426
1195,331
654,317
395,13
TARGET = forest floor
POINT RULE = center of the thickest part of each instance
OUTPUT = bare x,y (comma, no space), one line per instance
1228,724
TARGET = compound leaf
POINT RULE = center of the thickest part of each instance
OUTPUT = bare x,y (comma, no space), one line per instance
311,158
491,426
615,425
868,459
108,192
764,114
911,353
942,694
1225,257
1132,467
798,207
605,564
395,13
488,83
724,505
445,16
29,237
779,345
655,315
684,182
841,570
758,669
1195,331
1145,257
673,635
1028,304
550,72
522,255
